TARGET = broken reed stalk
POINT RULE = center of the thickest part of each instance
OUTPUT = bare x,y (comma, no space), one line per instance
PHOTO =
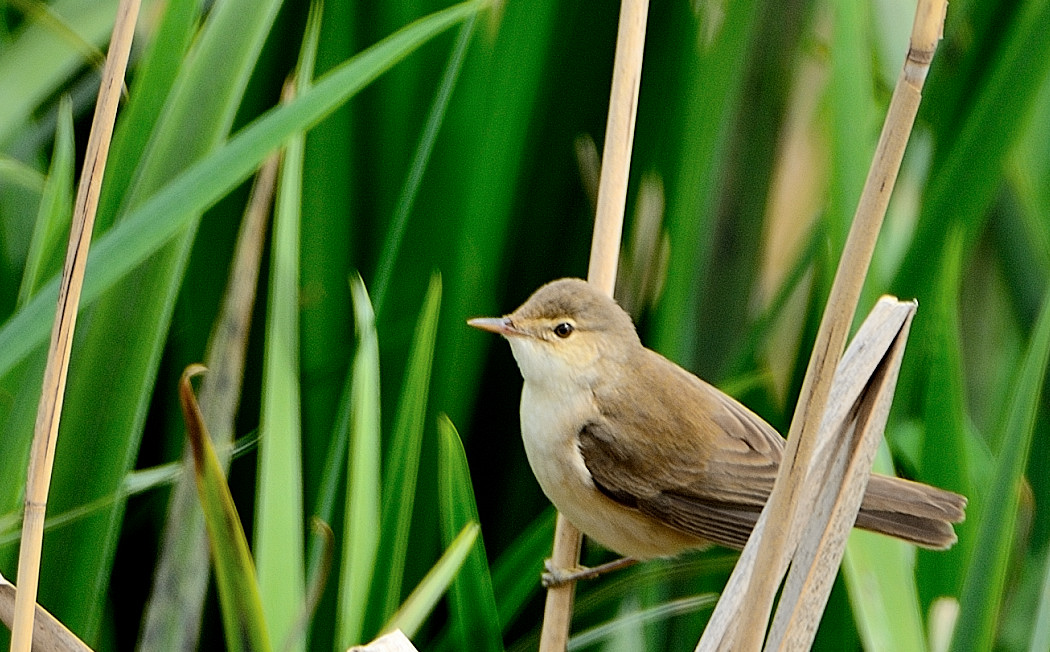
790,490
864,383
859,406
605,251
45,435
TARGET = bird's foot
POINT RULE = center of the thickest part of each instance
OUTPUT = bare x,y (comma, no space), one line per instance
553,578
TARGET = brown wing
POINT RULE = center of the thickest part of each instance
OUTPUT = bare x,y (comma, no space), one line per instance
686,454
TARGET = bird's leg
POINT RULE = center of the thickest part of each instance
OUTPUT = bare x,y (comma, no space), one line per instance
555,577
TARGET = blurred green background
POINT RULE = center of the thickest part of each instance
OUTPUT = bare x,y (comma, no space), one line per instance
756,124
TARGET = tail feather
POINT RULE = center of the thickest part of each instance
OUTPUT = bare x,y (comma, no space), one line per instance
915,512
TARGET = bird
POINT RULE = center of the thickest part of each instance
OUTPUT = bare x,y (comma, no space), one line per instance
646,458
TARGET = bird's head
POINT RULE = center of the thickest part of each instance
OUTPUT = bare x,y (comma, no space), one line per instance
565,332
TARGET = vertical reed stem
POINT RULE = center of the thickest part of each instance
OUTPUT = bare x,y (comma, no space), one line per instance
784,525
605,250
45,435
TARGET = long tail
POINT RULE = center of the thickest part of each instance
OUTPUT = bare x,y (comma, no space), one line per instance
915,512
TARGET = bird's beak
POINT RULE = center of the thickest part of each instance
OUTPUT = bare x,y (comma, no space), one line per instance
499,325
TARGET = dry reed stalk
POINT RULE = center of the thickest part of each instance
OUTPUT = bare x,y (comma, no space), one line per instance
791,492
605,250
858,409
850,431
619,139
45,435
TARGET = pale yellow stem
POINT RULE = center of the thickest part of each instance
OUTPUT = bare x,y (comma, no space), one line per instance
605,250
45,435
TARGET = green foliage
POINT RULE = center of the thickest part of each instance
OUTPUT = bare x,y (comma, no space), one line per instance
243,616
433,150
985,585
475,624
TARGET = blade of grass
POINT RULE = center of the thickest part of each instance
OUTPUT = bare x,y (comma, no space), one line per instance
18,173
239,599
360,536
516,575
945,459
278,533
984,585
40,12
880,578
279,545
475,623
402,460
407,199
424,597
56,209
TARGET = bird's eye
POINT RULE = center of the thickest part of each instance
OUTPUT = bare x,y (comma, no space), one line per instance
563,329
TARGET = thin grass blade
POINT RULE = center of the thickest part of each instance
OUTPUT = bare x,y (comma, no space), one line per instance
361,536
278,532
56,210
407,199
984,586
402,461
279,544
880,578
475,623
424,598
945,456
239,599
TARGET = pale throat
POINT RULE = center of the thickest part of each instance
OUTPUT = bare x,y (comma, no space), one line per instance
555,367
556,399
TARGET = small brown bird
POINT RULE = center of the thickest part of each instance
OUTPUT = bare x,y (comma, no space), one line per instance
646,458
